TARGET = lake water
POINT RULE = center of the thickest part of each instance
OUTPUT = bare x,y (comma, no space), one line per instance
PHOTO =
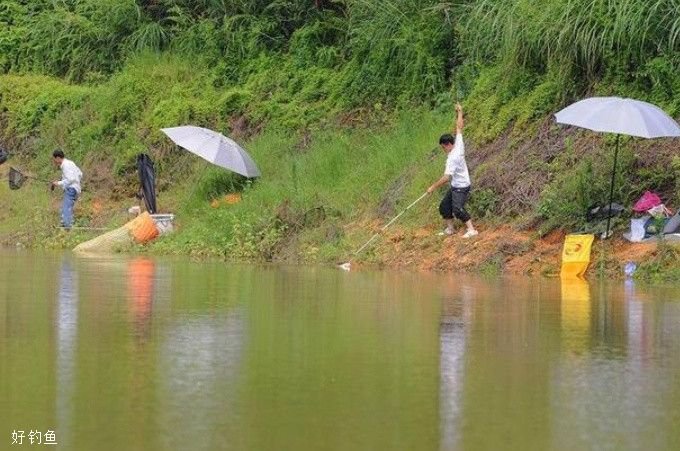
134,353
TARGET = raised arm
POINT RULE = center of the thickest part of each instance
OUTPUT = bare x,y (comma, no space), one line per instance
459,123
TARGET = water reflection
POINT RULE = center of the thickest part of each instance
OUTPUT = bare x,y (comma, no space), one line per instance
199,361
140,284
556,367
341,361
67,330
454,325
576,315
142,353
611,373
513,330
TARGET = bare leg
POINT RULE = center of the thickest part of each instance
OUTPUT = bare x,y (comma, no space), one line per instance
469,225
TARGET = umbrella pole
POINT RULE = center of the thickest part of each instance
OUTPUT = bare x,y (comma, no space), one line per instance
611,187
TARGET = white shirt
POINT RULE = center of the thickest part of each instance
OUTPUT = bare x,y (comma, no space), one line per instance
70,175
456,167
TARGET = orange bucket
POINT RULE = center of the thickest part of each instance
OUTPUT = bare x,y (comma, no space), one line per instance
143,228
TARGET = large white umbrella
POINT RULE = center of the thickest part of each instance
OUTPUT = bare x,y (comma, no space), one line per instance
620,116
214,147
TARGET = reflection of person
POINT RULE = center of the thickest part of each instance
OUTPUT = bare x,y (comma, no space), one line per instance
70,183
66,348
454,327
456,175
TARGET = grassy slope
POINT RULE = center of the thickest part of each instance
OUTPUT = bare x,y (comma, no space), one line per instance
361,168
345,171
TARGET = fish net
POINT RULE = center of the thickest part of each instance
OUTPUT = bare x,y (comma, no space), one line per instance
108,242
16,179
140,230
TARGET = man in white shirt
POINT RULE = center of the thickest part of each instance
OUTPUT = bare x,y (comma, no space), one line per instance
456,175
70,183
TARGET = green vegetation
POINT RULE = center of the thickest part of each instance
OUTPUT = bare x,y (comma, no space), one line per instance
662,266
340,102
314,190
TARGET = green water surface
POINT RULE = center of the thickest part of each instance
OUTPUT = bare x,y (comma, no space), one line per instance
135,353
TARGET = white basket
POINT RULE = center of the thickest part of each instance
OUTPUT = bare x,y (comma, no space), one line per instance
163,222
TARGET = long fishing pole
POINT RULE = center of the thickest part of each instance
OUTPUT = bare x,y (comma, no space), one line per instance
346,266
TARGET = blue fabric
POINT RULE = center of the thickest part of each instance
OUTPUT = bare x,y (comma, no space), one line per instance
70,197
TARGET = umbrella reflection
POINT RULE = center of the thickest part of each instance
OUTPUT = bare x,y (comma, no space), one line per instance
642,327
613,374
199,360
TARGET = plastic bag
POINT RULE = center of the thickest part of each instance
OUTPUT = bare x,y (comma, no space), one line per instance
660,211
647,201
637,229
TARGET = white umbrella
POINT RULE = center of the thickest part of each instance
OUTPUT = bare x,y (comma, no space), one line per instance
215,148
620,116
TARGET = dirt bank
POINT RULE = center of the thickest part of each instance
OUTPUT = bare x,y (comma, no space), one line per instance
497,249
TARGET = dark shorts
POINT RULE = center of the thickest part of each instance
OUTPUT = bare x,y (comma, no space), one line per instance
453,204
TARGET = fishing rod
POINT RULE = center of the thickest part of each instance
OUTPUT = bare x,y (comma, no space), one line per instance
347,265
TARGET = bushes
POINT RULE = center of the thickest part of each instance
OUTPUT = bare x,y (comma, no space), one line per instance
321,56
400,49
71,38
358,51
662,265
291,70
536,56
29,102
483,204
228,235
565,201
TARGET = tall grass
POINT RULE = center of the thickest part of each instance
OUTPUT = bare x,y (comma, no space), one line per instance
392,49
378,50
580,35
398,48
345,174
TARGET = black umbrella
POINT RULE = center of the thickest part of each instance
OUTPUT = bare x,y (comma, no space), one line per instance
147,177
